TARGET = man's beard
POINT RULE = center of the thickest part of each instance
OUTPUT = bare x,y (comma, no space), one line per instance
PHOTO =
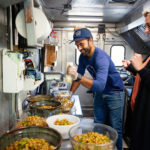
86,51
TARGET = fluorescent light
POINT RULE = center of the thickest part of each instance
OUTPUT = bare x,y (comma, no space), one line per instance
84,14
84,19
87,5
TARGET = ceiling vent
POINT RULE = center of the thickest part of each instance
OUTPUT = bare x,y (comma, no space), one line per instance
67,7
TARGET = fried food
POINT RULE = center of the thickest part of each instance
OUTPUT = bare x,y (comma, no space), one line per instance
46,107
30,144
62,122
63,95
32,121
92,138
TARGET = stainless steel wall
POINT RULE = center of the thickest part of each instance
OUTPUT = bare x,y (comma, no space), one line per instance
8,102
5,99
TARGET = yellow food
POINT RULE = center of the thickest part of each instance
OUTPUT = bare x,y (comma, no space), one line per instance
30,144
66,104
92,138
32,121
61,113
62,122
46,107
63,95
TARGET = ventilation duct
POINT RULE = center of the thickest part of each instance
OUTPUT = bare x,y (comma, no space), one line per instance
122,1
136,43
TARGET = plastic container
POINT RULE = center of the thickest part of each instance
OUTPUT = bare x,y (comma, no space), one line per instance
62,94
68,78
100,128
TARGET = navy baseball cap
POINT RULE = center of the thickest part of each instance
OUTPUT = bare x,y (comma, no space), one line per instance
81,34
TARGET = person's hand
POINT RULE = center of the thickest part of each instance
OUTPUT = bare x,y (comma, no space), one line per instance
126,63
137,61
72,71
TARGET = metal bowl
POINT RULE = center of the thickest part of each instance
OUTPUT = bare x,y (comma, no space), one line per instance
38,104
35,110
31,121
40,97
35,98
50,135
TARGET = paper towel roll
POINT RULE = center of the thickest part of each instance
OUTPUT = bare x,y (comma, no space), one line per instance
42,26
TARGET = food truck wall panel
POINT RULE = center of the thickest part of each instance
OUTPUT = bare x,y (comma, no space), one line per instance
6,100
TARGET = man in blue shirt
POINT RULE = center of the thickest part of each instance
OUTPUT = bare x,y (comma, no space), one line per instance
106,84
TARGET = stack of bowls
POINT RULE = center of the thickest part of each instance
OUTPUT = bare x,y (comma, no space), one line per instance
31,105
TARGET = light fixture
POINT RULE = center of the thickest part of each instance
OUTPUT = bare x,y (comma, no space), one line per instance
86,5
84,19
84,13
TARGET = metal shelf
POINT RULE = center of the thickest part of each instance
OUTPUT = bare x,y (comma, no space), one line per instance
31,84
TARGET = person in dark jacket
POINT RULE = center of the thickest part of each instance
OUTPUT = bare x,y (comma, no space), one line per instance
140,101
106,82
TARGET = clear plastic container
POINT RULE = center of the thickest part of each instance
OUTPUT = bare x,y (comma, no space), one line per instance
68,78
62,94
100,128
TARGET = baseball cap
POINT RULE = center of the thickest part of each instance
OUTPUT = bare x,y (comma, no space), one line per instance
81,34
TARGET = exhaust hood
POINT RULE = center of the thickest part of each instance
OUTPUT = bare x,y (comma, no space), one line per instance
121,2
124,1
140,32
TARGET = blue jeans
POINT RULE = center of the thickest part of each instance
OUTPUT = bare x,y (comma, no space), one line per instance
110,105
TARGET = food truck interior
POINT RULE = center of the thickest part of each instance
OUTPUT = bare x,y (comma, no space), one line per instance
35,50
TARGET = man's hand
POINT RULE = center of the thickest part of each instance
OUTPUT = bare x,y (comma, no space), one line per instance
126,63
72,71
137,61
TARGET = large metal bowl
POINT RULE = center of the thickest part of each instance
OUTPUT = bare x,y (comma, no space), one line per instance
38,104
35,98
40,97
34,108
50,135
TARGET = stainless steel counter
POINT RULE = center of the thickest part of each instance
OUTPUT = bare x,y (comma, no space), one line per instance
76,110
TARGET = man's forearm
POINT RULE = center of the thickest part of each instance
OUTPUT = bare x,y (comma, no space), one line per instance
74,86
88,83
